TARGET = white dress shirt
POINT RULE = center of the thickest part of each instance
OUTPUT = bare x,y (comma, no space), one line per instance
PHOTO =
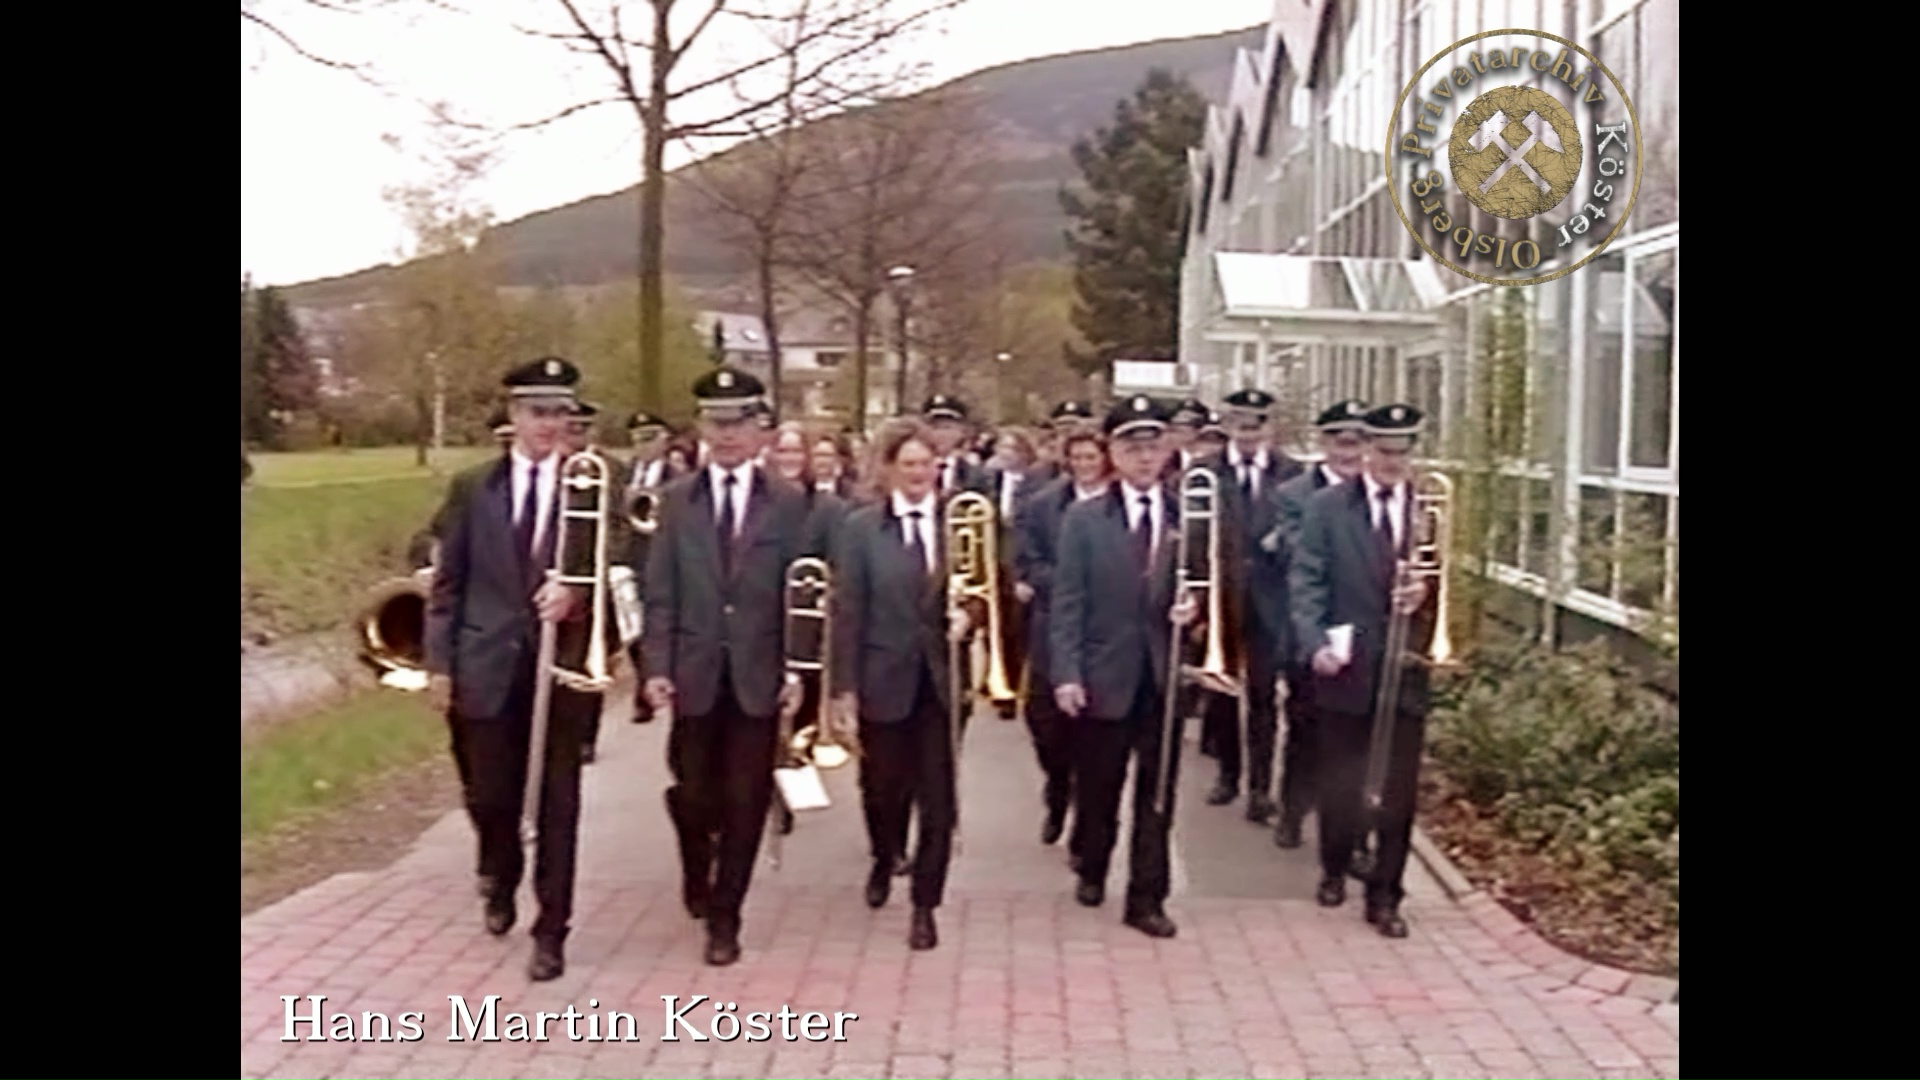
949,473
1329,475
1009,490
1153,509
1081,494
1397,508
742,485
905,510
545,473
1242,463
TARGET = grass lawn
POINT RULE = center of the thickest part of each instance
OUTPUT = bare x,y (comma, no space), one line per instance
318,530
348,466
311,763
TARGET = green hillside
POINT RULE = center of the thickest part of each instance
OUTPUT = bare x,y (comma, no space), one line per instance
1039,107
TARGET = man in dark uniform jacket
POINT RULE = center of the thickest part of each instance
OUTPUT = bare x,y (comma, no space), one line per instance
1342,442
1067,419
489,596
1255,468
648,470
946,415
1088,476
1113,599
713,648
1342,579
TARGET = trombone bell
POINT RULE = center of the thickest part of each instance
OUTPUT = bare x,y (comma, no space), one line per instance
1433,505
393,630
973,562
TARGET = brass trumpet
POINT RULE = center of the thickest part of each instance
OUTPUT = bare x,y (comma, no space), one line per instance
1431,526
584,480
393,630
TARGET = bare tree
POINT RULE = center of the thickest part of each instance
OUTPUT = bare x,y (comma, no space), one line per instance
640,68
270,19
903,183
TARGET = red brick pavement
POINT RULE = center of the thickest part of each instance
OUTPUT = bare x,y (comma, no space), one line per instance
1023,984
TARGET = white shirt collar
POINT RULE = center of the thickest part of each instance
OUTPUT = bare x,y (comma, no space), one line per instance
1375,487
521,460
1329,475
1258,459
743,473
1132,495
902,508
1092,492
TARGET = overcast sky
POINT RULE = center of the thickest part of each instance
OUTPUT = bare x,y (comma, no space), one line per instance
313,164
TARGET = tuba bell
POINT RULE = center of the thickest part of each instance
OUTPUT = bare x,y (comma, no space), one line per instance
643,510
393,630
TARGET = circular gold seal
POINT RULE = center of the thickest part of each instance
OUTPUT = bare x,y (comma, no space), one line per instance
1515,152
1513,157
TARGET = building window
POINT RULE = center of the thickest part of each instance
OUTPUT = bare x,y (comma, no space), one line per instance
1233,159
1651,421
829,359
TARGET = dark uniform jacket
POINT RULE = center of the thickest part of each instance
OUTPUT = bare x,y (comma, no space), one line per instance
1035,557
1288,506
1265,578
1341,574
699,620
481,622
889,614
1110,628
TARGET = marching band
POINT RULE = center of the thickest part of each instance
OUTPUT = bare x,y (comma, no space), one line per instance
789,604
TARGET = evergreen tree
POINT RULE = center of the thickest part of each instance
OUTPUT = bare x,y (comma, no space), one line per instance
254,422
1126,231
291,380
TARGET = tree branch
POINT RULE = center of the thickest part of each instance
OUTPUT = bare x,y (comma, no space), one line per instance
285,39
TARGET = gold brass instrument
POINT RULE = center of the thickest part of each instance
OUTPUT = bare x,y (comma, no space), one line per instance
808,639
643,510
584,499
1431,525
393,630
1199,509
973,560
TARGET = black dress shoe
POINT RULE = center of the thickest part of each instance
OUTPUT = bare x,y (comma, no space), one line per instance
642,712
549,961
723,949
1222,794
1361,868
484,885
1287,833
1332,892
586,755
786,822
1055,824
879,883
1386,919
500,915
1005,709
1260,809
1090,893
923,935
1152,924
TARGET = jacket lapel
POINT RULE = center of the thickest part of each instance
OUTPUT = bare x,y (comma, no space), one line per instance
759,502
497,510
706,537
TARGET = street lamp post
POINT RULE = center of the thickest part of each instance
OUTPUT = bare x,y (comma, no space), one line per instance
902,278
1000,362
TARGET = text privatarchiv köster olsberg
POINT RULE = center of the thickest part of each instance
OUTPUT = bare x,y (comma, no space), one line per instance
689,1018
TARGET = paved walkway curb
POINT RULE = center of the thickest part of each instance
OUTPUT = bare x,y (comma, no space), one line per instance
1493,917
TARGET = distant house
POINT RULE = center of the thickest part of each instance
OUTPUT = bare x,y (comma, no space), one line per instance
816,352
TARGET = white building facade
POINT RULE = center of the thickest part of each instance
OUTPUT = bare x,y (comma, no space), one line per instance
1301,278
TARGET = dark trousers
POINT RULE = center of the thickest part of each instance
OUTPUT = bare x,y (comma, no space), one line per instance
497,751
1052,732
590,718
1102,749
1297,766
457,745
909,764
722,766
1261,723
1344,745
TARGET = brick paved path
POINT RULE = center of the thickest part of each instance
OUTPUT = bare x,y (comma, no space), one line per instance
1260,982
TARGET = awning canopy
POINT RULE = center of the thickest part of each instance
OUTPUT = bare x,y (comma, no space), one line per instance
1327,299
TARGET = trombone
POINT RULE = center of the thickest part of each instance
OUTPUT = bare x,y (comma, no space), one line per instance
807,635
973,573
1431,526
1199,507
583,479
643,510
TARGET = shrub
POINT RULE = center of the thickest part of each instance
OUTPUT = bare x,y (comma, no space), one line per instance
1571,755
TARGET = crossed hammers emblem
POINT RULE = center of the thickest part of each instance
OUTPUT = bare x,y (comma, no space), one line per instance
1538,132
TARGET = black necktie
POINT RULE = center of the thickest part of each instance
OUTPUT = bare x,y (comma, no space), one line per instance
1246,479
529,515
914,547
727,524
1385,526
1143,534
